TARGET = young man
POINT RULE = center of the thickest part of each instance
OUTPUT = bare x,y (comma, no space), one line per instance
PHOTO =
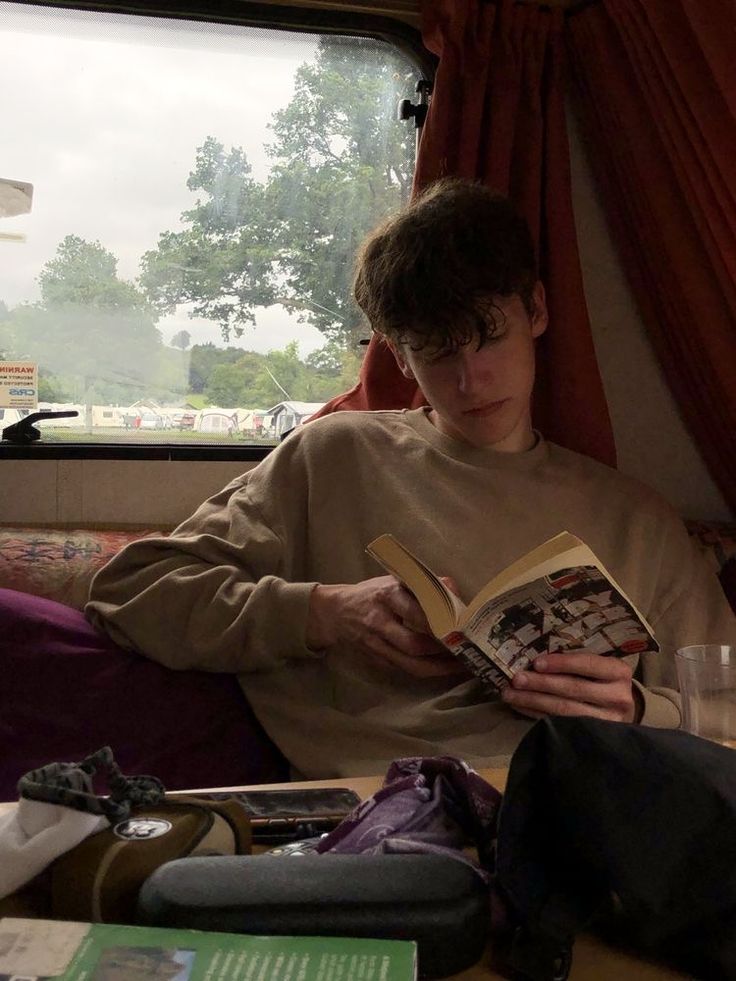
270,579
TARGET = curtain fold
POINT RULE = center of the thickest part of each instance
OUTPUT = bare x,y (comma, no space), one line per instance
656,85
497,114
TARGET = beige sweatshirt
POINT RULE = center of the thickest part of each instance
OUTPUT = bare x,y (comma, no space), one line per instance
229,590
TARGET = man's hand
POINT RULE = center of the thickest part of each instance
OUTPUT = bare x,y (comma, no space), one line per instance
577,683
380,618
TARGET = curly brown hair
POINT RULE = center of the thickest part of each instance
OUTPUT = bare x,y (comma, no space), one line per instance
429,274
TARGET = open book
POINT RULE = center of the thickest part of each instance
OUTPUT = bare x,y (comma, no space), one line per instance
558,597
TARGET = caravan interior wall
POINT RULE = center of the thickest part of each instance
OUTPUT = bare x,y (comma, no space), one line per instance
652,442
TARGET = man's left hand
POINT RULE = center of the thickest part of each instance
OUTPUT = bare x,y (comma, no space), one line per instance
576,683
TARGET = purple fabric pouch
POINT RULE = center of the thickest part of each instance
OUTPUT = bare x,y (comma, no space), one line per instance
427,805
66,689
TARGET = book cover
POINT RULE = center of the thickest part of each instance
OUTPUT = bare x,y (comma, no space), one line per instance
558,597
35,950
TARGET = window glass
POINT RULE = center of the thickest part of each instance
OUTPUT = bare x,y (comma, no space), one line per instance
199,194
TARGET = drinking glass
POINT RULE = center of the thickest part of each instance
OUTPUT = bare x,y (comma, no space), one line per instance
707,677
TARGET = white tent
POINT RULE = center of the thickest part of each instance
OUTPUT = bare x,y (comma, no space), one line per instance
214,419
287,415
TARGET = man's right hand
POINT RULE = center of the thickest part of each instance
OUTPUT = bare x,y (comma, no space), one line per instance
379,618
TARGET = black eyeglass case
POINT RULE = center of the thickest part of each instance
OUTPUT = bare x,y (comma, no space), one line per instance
440,903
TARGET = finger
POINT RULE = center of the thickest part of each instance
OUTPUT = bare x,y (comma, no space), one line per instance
405,606
582,663
410,642
612,694
409,649
380,621
542,704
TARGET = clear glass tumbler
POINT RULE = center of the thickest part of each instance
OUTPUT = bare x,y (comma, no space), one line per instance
707,678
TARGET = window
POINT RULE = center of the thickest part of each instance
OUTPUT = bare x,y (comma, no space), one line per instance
199,193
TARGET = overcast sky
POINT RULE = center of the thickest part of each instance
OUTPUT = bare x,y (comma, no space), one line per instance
103,118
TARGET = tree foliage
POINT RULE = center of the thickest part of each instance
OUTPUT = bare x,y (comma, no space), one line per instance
93,334
340,163
84,274
203,359
220,264
232,377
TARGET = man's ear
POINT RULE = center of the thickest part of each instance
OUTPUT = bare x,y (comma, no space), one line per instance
400,360
539,317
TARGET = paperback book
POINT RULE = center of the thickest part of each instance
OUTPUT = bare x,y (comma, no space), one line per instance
558,597
35,950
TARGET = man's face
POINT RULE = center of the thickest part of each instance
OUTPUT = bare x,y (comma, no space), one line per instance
483,396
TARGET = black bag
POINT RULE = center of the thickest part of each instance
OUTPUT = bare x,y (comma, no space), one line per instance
622,825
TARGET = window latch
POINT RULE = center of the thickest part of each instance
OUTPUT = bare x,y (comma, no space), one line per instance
417,110
24,432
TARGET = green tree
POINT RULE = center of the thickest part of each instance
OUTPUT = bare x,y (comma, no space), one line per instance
337,366
91,328
261,380
203,359
340,163
238,383
9,343
51,388
182,339
84,274
220,264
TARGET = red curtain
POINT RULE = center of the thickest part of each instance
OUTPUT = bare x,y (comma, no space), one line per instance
657,90
497,114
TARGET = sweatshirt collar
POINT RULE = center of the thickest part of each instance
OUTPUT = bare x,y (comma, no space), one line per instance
476,456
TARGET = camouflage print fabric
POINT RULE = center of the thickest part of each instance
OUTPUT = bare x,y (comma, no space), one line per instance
71,785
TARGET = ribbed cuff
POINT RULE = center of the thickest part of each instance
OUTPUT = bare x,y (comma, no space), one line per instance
288,626
661,707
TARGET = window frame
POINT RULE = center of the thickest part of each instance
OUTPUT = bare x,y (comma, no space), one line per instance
243,13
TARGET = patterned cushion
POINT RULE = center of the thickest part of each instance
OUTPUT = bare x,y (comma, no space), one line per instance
58,565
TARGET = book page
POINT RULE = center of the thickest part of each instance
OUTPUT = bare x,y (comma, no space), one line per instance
564,550
563,610
479,663
441,607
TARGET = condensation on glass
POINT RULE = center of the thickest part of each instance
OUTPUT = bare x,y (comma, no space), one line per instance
199,194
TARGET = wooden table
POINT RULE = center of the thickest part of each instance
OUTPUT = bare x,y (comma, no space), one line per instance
593,960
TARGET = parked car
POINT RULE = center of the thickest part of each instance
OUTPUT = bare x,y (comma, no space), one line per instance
184,420
151,420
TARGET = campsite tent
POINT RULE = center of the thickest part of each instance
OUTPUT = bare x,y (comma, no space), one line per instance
287,415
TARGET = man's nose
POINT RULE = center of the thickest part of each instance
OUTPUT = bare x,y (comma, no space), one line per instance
472,372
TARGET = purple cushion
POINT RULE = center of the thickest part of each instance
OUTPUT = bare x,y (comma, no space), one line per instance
66,690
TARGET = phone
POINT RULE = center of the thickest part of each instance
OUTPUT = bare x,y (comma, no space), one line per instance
279,816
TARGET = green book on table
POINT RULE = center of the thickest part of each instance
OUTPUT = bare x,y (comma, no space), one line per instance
40,949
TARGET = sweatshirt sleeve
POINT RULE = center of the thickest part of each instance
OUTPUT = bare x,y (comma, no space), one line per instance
691,609
220,593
